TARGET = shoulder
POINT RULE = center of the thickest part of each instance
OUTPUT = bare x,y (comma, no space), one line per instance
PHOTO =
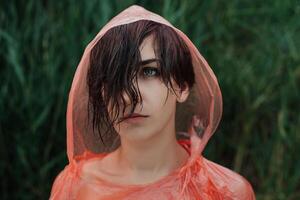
97,168
62,183
223,177
70,182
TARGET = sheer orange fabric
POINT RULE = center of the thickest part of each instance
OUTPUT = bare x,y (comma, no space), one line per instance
198,178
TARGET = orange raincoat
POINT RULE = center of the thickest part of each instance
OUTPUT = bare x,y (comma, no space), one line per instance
198,178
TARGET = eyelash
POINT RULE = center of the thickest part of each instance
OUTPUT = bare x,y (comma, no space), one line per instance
150,68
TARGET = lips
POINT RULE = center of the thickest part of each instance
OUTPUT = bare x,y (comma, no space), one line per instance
133,115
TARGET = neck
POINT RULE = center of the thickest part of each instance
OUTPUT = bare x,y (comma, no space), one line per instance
159,155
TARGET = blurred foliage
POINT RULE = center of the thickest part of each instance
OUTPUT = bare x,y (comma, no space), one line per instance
252,46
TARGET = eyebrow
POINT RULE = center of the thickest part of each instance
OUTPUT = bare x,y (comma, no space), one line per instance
144,62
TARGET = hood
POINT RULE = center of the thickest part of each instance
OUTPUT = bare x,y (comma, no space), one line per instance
207,109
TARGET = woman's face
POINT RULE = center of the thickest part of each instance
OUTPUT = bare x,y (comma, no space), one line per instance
160,111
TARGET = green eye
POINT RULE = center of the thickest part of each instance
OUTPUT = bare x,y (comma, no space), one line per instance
150,71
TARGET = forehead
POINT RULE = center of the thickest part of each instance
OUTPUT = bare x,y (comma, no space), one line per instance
146,48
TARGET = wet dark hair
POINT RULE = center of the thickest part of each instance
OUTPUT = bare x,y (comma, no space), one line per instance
115,63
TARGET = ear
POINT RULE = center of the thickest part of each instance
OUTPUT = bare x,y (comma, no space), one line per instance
183,94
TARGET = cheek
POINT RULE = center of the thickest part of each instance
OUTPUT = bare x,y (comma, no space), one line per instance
158,101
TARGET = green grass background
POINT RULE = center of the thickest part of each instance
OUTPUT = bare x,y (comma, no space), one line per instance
252,46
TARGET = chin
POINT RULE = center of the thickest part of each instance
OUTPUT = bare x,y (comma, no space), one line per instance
141,135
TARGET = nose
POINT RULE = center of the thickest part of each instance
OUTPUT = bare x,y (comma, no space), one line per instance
130,101
127,98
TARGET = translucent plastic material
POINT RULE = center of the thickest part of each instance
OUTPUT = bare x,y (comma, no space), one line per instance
198,178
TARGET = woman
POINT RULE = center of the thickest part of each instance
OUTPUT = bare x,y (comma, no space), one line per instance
121,120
